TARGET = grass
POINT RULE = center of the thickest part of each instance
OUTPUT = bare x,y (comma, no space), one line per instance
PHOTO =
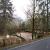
11,46
23,43
20,42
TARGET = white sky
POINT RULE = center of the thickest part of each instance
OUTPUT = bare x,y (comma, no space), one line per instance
20,6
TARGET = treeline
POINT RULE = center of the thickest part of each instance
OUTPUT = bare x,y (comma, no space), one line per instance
7,25
38,16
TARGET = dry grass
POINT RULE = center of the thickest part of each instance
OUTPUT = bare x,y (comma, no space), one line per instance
9,41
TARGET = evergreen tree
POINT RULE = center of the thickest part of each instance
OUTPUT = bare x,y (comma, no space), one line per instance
5,14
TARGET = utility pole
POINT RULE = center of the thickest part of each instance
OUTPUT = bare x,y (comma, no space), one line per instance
33,17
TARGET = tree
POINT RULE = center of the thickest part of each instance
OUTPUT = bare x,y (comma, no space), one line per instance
40,16
45,11
5,14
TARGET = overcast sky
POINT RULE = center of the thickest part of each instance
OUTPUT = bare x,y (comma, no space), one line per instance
19,7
